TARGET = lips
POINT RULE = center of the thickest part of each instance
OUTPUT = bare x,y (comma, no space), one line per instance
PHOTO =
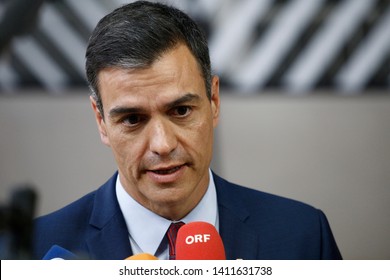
165,171
169,174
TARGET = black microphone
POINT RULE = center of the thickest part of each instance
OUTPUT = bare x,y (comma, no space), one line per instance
16,224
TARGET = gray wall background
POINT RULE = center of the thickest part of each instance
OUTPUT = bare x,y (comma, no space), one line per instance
329,151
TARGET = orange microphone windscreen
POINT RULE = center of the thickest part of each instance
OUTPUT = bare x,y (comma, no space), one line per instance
142,256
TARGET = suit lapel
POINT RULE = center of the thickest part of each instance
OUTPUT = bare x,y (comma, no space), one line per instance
240,241
108,237
110,243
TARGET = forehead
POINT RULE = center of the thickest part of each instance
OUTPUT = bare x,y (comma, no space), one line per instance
175,71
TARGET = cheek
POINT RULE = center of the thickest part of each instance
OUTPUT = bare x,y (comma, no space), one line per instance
127,151
201,137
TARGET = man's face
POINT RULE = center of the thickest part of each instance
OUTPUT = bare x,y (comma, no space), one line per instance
159,124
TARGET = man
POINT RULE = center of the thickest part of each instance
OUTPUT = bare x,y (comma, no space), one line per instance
156,105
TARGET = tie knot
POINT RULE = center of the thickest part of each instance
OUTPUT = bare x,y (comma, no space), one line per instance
171,235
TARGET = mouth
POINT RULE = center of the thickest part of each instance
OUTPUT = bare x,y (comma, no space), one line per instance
167,174
166,171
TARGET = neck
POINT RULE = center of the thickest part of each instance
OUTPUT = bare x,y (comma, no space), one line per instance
170,202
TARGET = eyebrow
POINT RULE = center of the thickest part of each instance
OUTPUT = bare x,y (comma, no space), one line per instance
120,110
189,97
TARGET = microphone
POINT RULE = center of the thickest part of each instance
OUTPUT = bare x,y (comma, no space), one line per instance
16,224
142,256
199,241
58,253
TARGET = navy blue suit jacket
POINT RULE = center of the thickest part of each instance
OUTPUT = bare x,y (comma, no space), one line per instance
253,225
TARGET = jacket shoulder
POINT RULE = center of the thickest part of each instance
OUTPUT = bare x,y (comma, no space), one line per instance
286,228
74,211
65,227
259,201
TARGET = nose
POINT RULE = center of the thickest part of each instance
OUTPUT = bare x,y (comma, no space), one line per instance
162,138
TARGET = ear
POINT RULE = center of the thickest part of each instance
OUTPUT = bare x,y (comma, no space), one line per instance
215,100
100,122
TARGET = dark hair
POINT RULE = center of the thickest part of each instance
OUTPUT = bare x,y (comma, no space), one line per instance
136,35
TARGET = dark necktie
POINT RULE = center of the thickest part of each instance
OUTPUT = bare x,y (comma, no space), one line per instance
171,235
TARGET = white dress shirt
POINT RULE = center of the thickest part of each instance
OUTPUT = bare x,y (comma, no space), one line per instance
147,229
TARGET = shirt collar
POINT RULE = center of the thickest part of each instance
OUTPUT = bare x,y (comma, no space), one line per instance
147,229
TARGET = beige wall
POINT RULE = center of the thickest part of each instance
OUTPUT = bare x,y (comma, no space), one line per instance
331,152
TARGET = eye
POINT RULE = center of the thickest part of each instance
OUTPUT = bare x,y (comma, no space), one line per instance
181,111
132,120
